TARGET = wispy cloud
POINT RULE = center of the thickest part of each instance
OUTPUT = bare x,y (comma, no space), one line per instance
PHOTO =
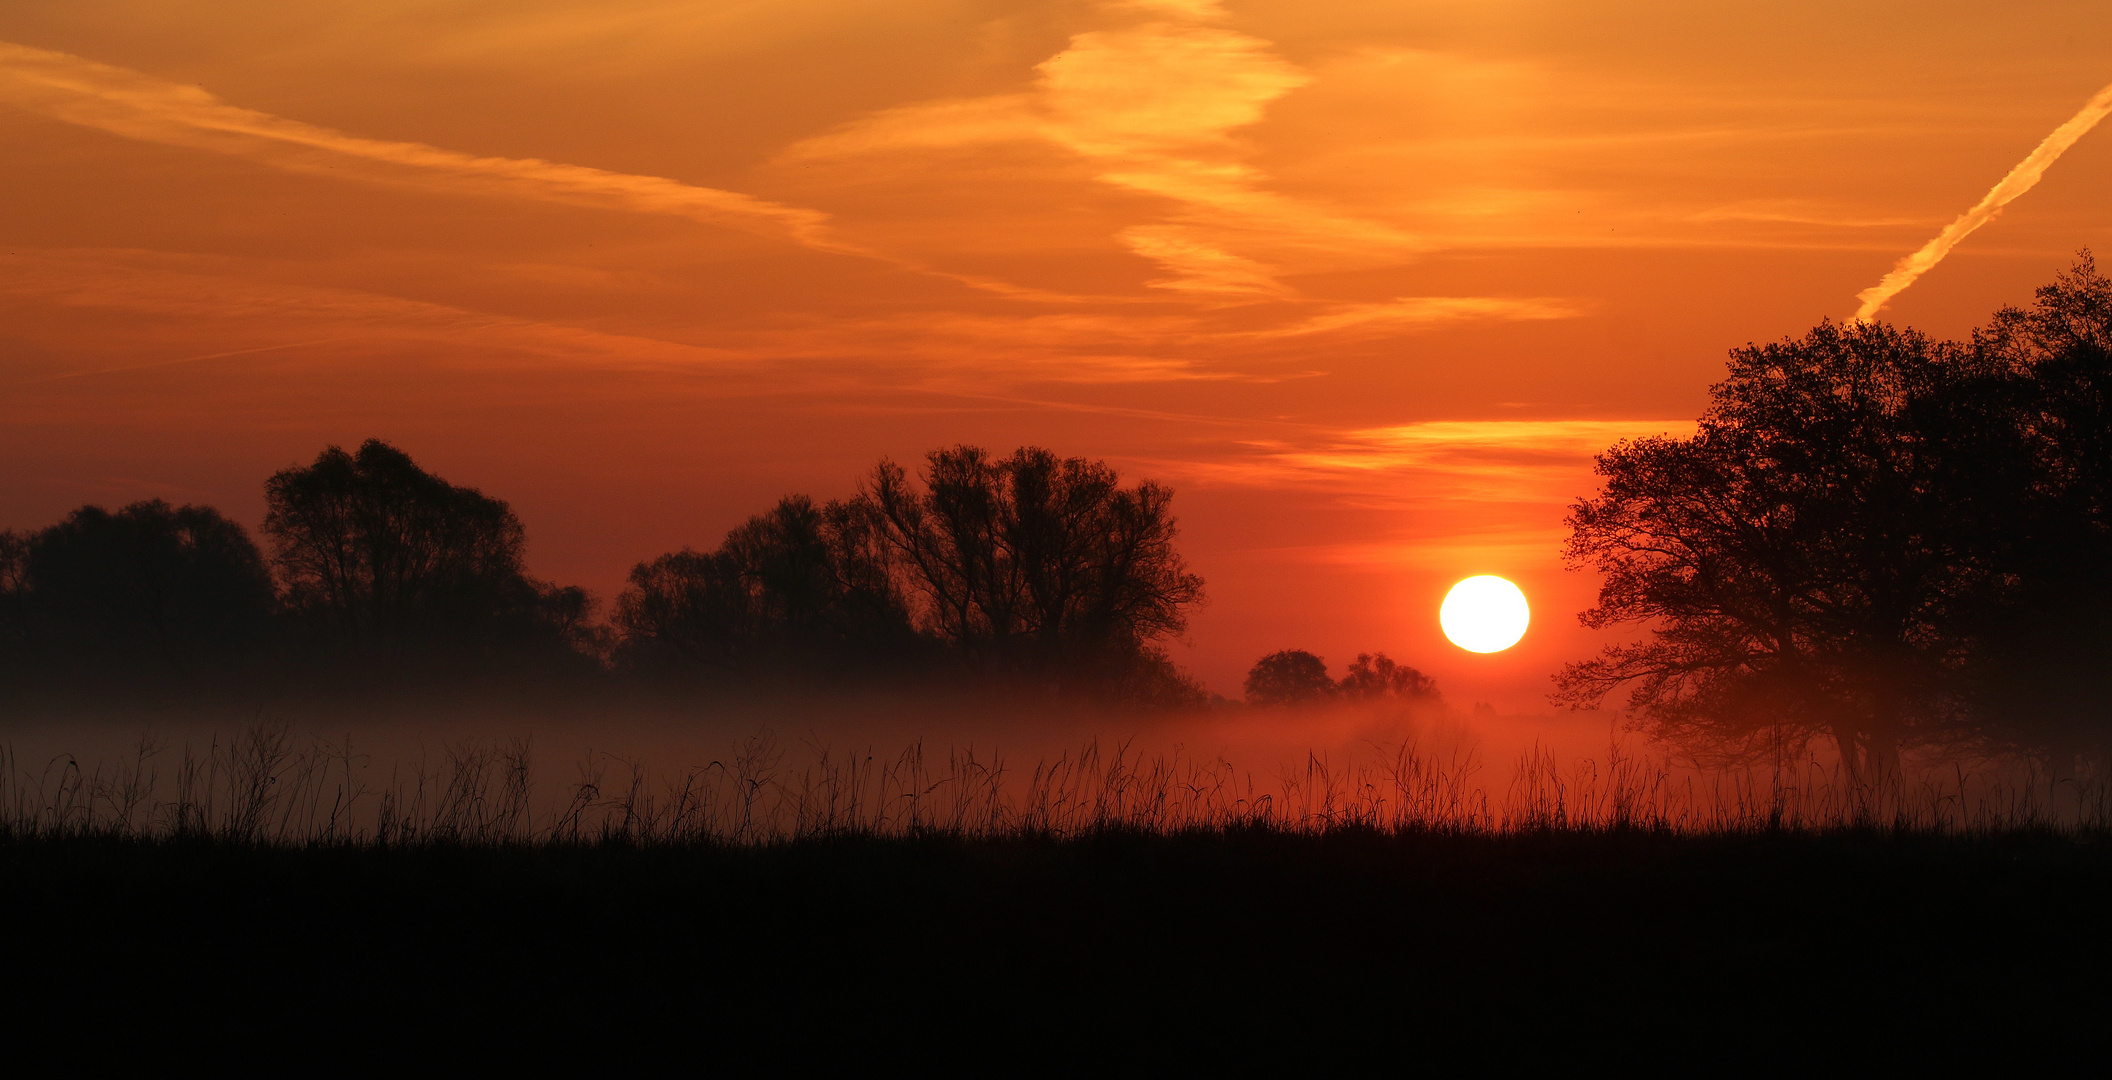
1486,460
1431,441
1447,493
139,106
1154,107
1420,311
2020,180
1797,212
229,303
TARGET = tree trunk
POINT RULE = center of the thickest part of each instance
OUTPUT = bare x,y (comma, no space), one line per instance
1849,743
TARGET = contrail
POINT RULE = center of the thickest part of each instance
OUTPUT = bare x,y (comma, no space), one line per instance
2020,180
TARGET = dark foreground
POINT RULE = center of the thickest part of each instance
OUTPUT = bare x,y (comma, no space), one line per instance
1625,948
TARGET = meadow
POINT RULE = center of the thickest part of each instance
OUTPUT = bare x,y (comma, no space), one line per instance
1385,769
793,901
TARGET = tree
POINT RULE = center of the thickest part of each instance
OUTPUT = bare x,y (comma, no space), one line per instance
14,592
1035,565
801,588
2039,680
1374,676
1288,677
380,555
1801,562
1029,568
149,588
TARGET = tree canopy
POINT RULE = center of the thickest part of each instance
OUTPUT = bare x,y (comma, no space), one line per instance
1375,676
1031,568
1035,564
147,589
1864,540
381,556
800,588
1297,677
1288,677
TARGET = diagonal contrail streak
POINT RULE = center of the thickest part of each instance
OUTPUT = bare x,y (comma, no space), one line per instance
2020,180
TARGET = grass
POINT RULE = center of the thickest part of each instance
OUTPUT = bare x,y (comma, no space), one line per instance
1452,944
1128,912
262,787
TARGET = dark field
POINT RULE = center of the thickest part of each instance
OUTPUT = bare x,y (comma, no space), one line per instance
1437,948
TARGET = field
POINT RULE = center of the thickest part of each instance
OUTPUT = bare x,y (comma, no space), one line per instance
1186,945
767,909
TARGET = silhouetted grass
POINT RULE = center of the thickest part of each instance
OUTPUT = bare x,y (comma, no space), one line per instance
260,787
773,908
1447,948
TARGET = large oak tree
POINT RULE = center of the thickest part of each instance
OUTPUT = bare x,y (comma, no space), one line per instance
1799,564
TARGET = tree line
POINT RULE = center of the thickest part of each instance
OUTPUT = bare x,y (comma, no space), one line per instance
1034,569
1031,569
1297,677
1875,539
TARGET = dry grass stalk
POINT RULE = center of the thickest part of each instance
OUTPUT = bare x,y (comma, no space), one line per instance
259,787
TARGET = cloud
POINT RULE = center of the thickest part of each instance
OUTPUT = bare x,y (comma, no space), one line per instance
1153,108
191,308
1429,441
2020,180
1526,461
139,106
225,302
1796,212
1416,311
1443,493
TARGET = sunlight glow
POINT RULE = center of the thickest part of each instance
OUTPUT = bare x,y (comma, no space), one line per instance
1484,614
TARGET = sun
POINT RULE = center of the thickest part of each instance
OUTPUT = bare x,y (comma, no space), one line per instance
1484,614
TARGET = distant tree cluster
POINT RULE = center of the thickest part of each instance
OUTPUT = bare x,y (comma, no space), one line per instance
377,570
1874,538
375,556
181,592
1034,570
1297,677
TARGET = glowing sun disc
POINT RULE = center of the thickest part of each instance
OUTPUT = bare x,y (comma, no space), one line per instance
1484,614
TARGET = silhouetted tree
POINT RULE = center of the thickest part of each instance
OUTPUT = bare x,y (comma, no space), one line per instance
1375,675
146,590
1288,677
1030,567
801,588
2041,672
1037,565
14,594
1802,561
375,553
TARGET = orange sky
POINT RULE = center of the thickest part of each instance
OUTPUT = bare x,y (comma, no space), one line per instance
1366,282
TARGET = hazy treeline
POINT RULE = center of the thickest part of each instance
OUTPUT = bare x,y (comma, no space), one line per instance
377,572
1035,570
1877,539
1031,568
1297,677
